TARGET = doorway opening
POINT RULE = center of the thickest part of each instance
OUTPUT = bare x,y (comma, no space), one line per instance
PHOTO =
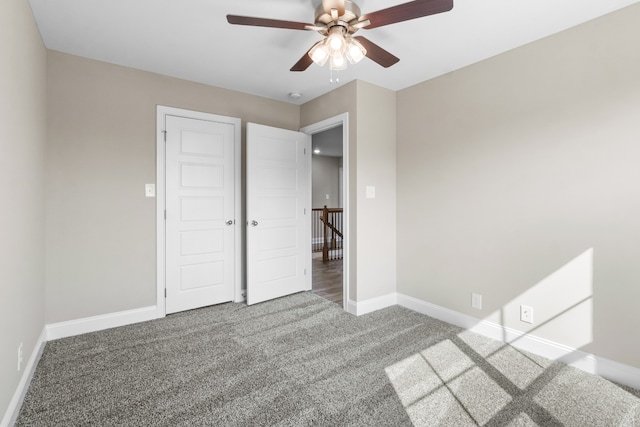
329,195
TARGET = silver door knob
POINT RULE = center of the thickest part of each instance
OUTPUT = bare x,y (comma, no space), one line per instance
229,222
254,223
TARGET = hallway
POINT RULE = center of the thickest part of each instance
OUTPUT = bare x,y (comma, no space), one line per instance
327,278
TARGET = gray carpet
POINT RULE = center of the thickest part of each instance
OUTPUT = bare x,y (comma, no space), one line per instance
301,360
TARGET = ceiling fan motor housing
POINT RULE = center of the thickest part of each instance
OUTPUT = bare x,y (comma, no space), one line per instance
350,16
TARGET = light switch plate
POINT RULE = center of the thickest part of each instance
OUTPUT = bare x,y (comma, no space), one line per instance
150,190
370,192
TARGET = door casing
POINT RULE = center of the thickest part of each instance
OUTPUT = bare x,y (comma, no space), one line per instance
331,122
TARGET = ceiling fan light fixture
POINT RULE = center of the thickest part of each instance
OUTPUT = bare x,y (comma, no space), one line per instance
335,39
319,53
338,62
355,51
338,20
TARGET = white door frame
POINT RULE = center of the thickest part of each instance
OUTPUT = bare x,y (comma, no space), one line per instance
162,112
330,123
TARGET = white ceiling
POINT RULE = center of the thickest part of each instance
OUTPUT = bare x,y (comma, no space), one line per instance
191,39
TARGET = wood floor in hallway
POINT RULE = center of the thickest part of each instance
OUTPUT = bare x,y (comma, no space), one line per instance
327,278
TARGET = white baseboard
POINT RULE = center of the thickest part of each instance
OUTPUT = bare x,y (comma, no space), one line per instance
11,415
98,323
373,304
352,307
609,369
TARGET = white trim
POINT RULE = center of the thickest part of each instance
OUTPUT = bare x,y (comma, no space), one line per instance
373,304
239,219
98,323
13,410
330,123
352,307
161,113
438,312
612,370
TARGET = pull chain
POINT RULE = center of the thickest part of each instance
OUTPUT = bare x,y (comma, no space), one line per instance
331,81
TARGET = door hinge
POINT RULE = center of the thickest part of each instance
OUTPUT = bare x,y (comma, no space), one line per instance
165,214
165,292
165,135
305,271
305,211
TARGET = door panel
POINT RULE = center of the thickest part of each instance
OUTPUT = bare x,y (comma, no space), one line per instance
278,209
200,213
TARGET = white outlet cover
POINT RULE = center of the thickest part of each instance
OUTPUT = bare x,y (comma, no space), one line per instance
526,314
19,357
476,301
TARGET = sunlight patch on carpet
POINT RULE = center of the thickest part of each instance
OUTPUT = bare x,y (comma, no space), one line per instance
442,385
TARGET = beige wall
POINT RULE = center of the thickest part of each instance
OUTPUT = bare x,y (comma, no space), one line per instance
518,178
101,228
102,135
325,173
376,259
23,124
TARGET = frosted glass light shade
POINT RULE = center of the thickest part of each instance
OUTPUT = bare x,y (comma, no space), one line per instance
355,51
319,53
335,40
338,62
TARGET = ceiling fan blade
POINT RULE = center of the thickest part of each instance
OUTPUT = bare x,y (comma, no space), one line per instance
263,22
327,5
406,11
303,63
376,53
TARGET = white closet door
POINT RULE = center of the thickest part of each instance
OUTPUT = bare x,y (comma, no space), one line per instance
200,213
278,212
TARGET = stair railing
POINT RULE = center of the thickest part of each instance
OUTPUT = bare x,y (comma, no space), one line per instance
327,232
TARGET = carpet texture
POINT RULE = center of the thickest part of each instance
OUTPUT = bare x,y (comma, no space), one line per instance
301,360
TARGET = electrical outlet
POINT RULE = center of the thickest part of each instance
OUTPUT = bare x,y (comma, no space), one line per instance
244,293
476,301
19,357
526,314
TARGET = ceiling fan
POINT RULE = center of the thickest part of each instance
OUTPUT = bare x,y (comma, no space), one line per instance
338,21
